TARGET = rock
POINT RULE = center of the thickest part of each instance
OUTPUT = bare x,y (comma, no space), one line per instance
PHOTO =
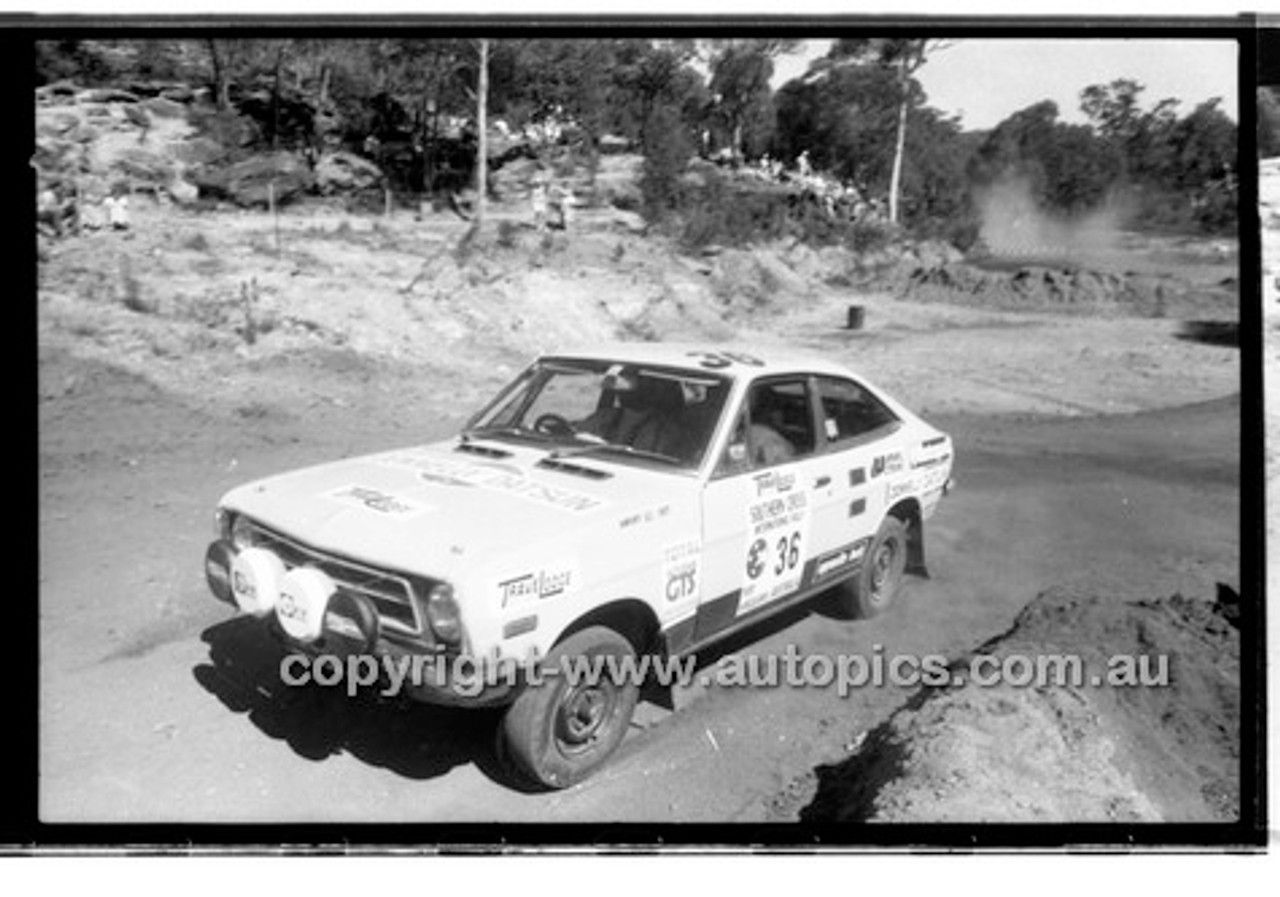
60,93
106,95
342,171
52,154
56,124
777,276
252,182
182,192
145,166
82,133
164,108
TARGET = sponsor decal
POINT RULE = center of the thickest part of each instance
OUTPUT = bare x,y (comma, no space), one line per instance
772,482
857,506
681,571
937,440
885,464
501,479
648,516
550,582
373,499
777,534
857,476
839,560
931,462
894,491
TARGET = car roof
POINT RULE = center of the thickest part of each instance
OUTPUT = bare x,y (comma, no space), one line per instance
697,357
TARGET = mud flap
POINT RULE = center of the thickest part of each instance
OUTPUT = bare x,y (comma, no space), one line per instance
915,548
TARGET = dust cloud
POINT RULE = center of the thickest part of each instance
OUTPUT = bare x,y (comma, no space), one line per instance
1013,224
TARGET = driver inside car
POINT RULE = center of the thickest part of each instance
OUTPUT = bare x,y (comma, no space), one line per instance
640,411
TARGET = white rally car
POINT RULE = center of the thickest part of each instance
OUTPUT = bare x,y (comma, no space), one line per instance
644,499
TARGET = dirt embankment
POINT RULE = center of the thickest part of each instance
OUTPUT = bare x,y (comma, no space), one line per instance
1122,750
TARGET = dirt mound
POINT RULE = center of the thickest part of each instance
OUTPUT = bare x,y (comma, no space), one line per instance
1015,287
1096,751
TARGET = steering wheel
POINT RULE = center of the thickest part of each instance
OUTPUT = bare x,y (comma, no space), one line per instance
553,425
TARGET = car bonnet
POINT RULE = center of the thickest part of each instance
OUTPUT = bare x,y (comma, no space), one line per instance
428,509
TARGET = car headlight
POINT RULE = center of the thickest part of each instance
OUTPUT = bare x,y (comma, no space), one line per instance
442,614
242,534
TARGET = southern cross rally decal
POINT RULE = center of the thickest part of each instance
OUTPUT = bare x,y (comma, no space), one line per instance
777,533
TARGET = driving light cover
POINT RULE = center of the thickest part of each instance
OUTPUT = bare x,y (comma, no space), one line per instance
442,613
255,580
304,597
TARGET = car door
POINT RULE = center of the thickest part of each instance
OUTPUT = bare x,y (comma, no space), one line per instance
758,505
855,431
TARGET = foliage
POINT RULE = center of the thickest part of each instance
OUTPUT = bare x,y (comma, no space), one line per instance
1268,122
741,96
1068,169
667,150
858,114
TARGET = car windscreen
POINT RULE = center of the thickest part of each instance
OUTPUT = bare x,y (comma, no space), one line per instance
609,410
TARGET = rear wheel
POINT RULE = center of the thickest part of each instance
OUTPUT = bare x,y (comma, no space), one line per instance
561,729
875,586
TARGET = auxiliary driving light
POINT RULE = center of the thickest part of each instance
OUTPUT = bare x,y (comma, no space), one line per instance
255,580
304,596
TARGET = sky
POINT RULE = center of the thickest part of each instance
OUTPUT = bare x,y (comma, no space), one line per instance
984,81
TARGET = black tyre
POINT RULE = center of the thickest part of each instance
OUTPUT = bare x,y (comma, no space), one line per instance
877,583
558,731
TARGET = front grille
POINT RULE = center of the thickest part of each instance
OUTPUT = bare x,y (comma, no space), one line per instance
392,594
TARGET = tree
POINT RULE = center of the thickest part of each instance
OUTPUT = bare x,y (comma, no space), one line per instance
482,126
667,150
648,74
741,71
1139,137
904,56
1068,168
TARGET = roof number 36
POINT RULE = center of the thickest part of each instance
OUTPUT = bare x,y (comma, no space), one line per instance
724,359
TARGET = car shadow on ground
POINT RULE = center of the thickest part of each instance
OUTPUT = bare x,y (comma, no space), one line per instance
411,739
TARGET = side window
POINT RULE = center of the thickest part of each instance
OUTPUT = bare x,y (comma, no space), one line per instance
849,411
777,426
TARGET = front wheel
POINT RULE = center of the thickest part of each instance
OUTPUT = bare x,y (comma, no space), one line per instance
874,587
561,729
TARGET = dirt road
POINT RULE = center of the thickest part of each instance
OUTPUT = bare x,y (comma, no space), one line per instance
156,706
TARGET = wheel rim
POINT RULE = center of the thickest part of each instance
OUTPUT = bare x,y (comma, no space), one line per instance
582,717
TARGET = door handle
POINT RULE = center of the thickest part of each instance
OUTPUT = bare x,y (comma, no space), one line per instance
821,482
